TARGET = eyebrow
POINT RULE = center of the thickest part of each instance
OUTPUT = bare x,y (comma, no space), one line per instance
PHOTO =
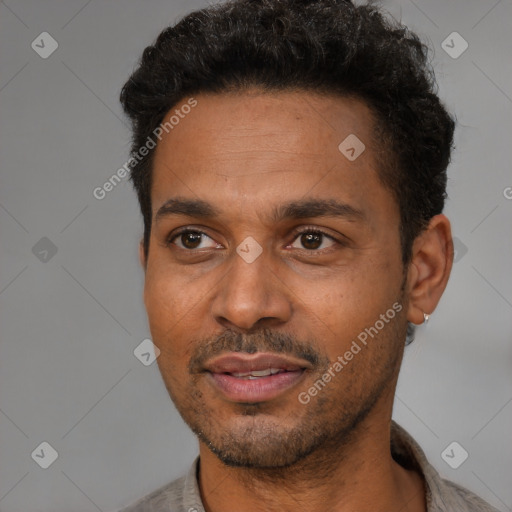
300,209
316,208
189,207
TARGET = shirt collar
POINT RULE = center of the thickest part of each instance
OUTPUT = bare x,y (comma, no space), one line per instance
404,450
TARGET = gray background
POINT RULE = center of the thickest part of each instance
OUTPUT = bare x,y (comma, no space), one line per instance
70,321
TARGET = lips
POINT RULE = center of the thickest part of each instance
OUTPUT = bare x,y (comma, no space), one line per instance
251,378
246,363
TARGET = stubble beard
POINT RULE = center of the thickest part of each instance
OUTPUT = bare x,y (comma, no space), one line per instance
258,440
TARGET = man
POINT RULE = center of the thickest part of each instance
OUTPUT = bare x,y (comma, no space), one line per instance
290,162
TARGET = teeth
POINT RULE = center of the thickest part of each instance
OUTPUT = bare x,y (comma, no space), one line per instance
257,373
261,373
241,375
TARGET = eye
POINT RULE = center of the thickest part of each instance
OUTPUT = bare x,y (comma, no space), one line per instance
191,239
313,240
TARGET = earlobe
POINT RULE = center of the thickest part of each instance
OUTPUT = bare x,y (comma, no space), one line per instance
429,269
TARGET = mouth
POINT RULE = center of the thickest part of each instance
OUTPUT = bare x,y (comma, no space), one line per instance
252,378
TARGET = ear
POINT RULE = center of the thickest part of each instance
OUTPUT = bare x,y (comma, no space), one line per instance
142,256
429,269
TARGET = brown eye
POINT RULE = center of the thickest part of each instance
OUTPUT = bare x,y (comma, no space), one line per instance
313,240
192,239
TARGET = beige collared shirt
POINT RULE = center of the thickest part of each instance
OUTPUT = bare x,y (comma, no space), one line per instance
183,495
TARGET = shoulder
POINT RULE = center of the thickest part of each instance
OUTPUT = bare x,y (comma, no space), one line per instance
441,495
451,496
181,495
166,498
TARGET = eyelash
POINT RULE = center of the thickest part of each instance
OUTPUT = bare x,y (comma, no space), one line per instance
314,231
295,235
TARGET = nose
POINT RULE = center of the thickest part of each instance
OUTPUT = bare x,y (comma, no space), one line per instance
251,295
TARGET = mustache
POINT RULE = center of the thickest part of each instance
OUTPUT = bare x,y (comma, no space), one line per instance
264,340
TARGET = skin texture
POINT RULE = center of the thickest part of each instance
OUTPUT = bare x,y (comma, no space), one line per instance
246,154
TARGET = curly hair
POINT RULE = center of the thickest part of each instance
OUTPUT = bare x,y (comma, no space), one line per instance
323,46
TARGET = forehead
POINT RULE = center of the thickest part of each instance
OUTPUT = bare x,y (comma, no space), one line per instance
255,120
260,146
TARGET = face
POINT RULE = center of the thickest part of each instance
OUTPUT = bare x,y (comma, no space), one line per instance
274,281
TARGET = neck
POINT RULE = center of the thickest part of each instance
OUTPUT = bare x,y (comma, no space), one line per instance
356,474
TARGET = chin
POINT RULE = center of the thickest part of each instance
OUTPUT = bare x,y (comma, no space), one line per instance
264,446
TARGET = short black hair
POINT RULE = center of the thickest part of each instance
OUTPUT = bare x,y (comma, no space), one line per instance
323,46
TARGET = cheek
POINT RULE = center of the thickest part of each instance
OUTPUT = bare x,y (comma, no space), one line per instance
159,299
344,306
166,295
164,310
